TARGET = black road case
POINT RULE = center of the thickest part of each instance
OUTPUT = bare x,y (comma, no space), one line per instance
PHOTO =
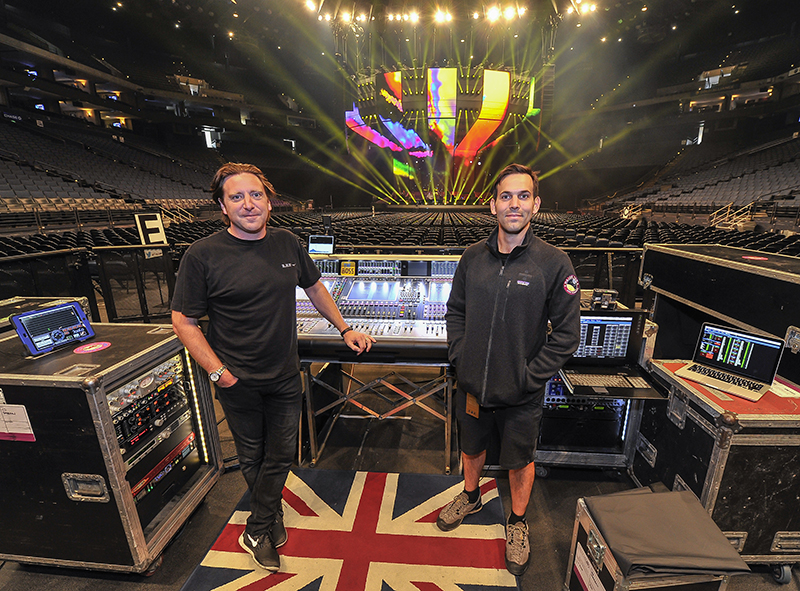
106,448
592,565
740,458
696,283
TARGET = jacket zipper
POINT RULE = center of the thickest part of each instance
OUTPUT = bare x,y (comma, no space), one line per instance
491,332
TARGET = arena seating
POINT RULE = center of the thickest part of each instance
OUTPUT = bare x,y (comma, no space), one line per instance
563,230
766,173
99,167
70,175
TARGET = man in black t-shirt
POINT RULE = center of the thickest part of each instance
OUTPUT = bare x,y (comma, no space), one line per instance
244,279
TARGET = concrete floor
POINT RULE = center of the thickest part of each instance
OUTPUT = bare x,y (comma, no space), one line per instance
396,445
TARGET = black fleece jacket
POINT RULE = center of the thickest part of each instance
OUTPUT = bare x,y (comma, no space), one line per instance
497,317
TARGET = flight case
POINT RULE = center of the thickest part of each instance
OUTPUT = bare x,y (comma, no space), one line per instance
592,565
740,458
106,448
696,283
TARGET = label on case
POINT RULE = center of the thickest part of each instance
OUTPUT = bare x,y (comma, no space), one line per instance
585,572
15,424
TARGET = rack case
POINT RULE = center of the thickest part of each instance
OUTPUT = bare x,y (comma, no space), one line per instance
106,448
741,459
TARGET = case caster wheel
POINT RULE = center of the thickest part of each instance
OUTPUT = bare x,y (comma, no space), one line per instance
156,564
542,471
782,573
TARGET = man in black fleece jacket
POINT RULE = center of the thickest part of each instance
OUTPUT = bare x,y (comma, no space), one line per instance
505,290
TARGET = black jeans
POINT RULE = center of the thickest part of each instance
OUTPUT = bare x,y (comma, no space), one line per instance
264,421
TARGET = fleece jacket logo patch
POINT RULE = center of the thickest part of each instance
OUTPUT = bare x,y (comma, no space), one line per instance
571,285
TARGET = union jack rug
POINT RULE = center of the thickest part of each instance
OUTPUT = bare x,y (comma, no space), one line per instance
350,531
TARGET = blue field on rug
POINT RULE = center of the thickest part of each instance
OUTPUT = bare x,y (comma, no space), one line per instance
353,531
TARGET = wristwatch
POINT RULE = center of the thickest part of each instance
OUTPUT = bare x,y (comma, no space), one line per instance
214,376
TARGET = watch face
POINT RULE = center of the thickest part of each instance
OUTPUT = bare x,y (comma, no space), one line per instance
214,376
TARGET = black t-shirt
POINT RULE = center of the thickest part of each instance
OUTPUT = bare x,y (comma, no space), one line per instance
247,288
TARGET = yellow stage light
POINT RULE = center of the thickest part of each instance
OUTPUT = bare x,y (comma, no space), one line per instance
493,14
310,5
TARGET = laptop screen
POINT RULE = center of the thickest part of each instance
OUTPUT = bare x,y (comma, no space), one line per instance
739,352
320,244
609,337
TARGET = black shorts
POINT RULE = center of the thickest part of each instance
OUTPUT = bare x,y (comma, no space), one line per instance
518,427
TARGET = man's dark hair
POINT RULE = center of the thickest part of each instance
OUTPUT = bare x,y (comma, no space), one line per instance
517,169
231,169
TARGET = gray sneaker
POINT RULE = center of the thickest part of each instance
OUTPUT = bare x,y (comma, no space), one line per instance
518,548
452,514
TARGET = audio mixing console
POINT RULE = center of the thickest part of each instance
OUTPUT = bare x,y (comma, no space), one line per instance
400,301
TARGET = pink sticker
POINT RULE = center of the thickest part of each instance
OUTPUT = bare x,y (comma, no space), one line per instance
92,347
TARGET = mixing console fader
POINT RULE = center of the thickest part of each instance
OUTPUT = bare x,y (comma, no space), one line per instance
400,300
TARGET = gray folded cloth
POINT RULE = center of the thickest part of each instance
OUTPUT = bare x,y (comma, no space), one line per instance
663,533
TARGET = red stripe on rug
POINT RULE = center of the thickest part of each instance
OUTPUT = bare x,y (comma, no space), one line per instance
267,582
228,540
298,504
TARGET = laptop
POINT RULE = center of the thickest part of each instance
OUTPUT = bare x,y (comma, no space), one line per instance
318,244
606,361
734,361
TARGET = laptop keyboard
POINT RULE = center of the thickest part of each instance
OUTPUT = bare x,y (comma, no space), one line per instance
598,380
726,377
638,382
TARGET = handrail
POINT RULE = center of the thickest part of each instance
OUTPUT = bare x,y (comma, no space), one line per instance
720,215
632,211
733,218
176,215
